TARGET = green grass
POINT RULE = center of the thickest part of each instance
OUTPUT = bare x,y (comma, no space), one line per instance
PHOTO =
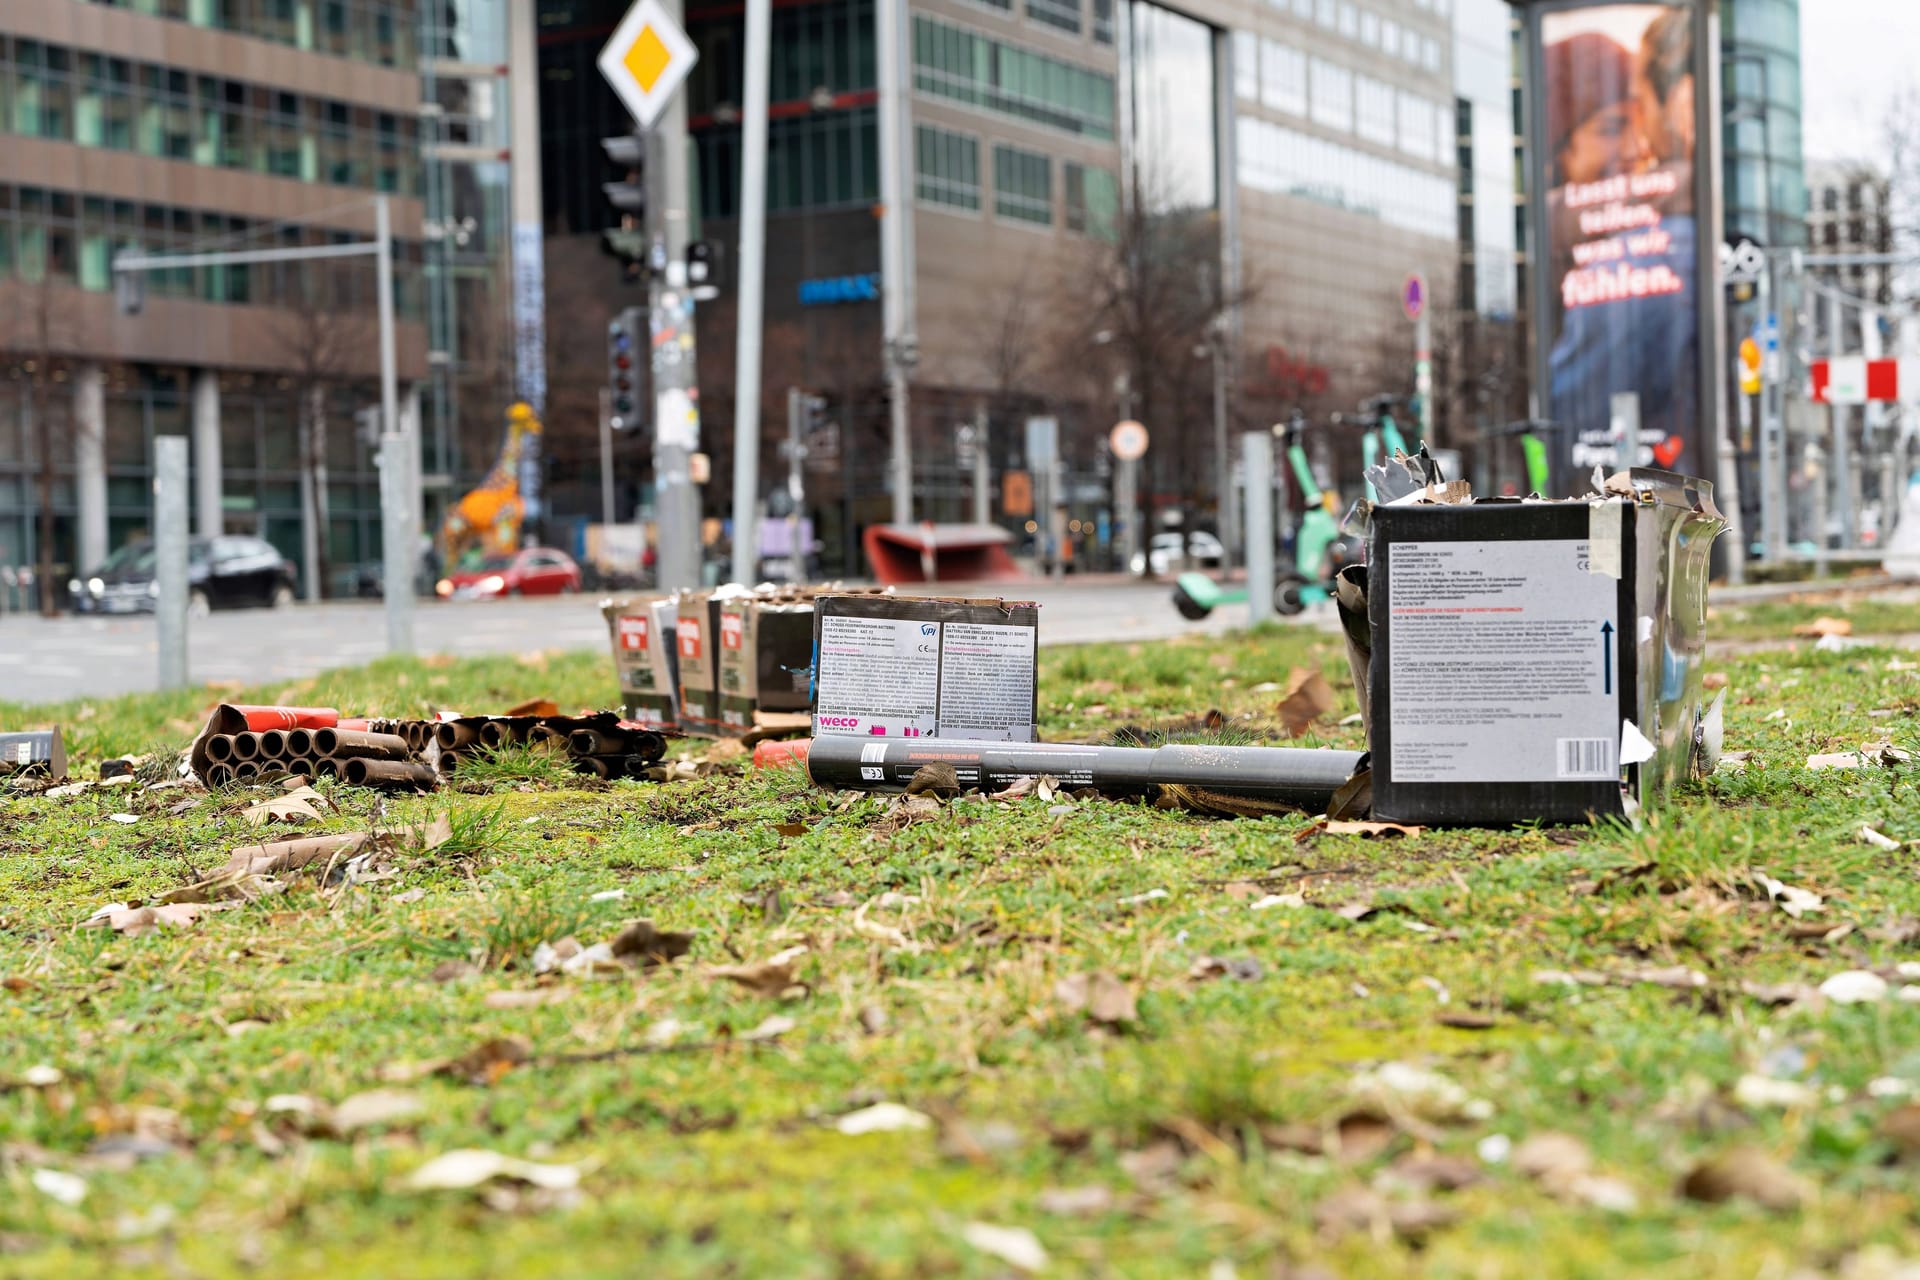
705,1153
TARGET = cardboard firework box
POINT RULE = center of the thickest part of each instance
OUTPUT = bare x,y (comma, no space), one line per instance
643,630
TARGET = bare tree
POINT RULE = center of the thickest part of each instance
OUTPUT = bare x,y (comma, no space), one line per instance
321,348
40,329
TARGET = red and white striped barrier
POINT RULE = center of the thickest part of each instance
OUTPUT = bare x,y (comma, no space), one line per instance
1858,380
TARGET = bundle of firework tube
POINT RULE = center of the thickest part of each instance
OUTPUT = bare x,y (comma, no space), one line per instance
243,742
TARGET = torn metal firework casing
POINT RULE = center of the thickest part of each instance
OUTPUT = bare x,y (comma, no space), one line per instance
1537,661
1293,777
40,751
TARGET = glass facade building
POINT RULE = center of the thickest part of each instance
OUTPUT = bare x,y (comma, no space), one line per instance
1764,173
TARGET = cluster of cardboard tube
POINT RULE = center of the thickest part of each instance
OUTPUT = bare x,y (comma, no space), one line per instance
407,754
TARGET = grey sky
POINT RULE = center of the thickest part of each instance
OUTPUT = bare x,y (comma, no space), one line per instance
1855,55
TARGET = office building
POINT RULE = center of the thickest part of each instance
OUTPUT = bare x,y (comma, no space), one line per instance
1850,211
175,124
1114,206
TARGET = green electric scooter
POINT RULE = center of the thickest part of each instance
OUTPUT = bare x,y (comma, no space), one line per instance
1534,451
1196,595
1381,438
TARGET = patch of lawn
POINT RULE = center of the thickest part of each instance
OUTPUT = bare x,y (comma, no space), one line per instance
705,1135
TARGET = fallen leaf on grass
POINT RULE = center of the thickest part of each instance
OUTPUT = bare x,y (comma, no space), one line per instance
1880,840
1825,626
1074,1202
136,921
462,1170
1308,697
771,1027
1901,1127
124,819
773,976
1793,900
1352,1209
1402,1090
1466,1020
1100,995
1430,1171
1855,986
882,1117
1015,1246
1744,1173
383,1108
1294,901
299,805
786,831
67,1188
486,1062
1868,756
1563,1167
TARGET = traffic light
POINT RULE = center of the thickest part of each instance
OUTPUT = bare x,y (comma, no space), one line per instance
623,348
626,240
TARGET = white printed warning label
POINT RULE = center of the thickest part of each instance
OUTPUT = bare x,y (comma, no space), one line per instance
986,682
1503,663
878,676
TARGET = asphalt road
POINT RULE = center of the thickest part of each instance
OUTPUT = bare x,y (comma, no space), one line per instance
44,660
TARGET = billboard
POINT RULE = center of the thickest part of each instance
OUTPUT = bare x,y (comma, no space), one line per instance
1626,220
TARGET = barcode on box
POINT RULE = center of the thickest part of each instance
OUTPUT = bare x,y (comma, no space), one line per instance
1587,758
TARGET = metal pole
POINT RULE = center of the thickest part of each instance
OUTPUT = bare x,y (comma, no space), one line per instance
1257,455
1223,457
982,471
753,247
606,459
1842,455
1126,502
796,482
170,557
1817,479
896,216
1423,369
1771,522
396,468
676,415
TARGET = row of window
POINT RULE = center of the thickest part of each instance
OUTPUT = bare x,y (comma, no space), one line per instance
822,46
1065,15
947,169
69,239
1375,31
69,95
1283,161
1283,78
821,161
964,66
373,31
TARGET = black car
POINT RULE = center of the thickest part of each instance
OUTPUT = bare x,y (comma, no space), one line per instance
222,573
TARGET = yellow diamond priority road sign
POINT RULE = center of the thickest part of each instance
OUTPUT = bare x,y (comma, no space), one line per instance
647,58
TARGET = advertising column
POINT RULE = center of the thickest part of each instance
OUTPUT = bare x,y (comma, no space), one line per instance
1625,221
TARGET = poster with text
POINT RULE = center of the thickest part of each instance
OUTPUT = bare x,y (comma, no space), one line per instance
1622,288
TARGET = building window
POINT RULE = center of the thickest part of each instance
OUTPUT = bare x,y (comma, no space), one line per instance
1326,13
1103,21
1283,78
953,63
948,167
1349,21
1246,65
1063,14
1429,53
1417,127
1332,95
1282,161
1390,36
1373,110
1370,28
1022,185
1092,197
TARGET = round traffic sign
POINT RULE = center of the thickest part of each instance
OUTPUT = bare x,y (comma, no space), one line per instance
1413,295
1128,440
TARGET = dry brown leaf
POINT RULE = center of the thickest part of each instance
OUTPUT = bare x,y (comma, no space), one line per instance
1714,680
1901,1128
1431,1171
1744,1173
135,921
486,1062
1466,1020
298,805
1018,789
1100,995
790,830
1308,697
1553,1159
1371,830
1359,1135
773,976
382,1108
1825,626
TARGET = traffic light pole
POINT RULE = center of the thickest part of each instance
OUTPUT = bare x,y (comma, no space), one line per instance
676,387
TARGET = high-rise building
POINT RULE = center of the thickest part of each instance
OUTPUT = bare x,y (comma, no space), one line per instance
1115,207
175,124
1765,189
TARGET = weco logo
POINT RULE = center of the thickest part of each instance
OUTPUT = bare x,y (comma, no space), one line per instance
840,722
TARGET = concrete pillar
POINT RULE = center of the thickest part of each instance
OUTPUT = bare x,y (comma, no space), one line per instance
90,464
410,426
208,520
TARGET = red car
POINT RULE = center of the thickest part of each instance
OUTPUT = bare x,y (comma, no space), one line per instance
537,571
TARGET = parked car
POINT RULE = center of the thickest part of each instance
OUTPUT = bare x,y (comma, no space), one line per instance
228,572
536,571
1163,553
